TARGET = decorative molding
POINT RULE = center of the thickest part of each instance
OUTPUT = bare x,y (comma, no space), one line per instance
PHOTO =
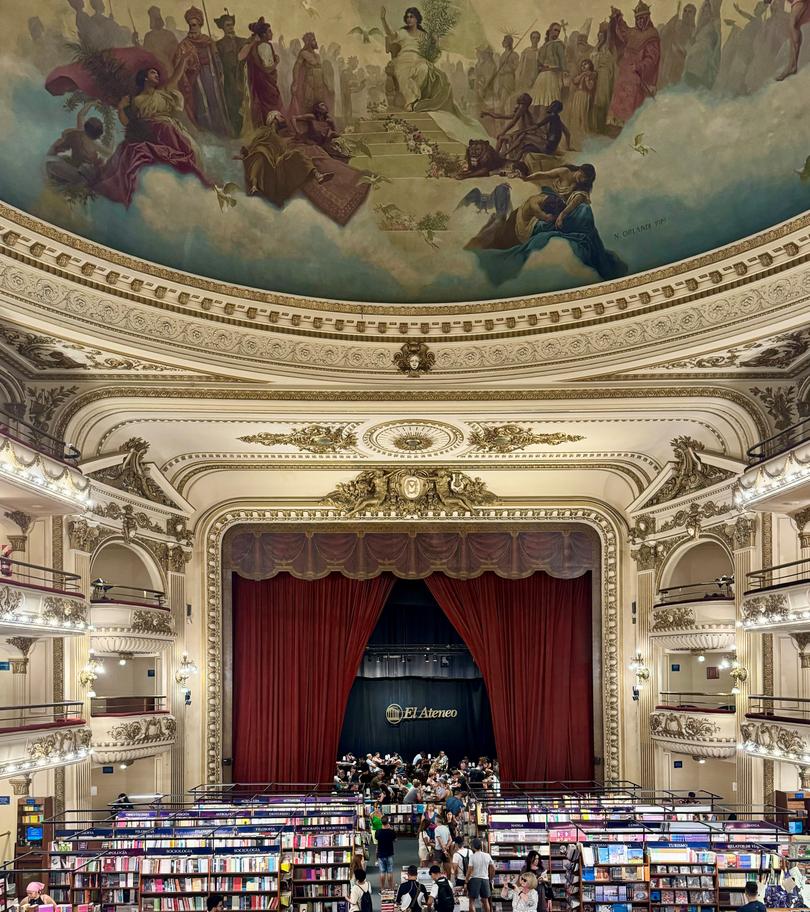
21,520
11,601
774,741
774,608
147,730
61,609
695,734
22,643
414,359
132,475
690,472
59,742
313,438
668,619
683,726
131,519
506,438
42,403
745,533
406,438
695,512
612,666
410,492
84,537
145,621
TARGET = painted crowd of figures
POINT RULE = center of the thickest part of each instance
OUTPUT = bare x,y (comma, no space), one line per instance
287,111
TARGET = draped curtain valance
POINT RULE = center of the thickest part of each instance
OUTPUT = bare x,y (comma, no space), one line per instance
563,553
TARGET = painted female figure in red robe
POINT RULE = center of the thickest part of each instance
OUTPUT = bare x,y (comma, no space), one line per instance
262,74
639,58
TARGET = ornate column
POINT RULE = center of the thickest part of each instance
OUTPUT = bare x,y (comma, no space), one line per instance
743,538
176,567
21,683
19,543
77,655
646,565
801,519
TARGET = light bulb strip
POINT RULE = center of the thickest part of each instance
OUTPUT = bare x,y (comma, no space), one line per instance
68,483
775,753
777,620
57,758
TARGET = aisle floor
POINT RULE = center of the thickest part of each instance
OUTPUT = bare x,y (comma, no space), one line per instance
405,853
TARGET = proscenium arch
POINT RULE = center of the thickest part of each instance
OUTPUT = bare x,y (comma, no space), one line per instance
213,525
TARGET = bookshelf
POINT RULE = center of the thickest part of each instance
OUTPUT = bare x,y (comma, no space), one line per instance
174,883
735,869
614,878
683,880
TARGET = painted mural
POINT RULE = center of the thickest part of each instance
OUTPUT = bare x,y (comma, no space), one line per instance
456,150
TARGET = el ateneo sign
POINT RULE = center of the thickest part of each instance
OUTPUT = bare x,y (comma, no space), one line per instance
395,714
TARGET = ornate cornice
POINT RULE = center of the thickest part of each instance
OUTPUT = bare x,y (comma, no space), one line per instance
677,618
224,518
294,342
67,256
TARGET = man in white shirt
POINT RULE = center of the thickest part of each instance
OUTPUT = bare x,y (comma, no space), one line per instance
443,841
479,877
360,889
461,862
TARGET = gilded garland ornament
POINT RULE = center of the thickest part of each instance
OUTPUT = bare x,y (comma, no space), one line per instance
679,725
314,438
410,493
145,621
667,619
11,600
507,438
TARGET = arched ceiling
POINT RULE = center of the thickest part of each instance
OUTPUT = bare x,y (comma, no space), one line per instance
698,154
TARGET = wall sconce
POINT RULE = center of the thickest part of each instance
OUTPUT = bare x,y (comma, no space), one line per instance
185,671
639,669
738,674
88,674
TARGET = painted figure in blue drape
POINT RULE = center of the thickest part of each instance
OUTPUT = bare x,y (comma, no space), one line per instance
563,210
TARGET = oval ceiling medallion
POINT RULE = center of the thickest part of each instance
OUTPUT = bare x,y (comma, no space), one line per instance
413,438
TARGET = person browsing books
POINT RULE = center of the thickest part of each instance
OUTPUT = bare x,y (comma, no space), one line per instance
35,895
461,862
215,903
441,897
523,895
360,895
752,903
534,865
385,854
443,842
411,894
480,874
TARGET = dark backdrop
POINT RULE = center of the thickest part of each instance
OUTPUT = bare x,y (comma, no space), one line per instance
365,728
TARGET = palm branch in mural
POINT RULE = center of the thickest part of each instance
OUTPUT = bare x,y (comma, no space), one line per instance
108,71
439,19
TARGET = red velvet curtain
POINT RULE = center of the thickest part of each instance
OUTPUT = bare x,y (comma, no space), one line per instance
297,645
531,638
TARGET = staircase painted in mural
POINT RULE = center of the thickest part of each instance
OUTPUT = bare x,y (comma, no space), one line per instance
390,155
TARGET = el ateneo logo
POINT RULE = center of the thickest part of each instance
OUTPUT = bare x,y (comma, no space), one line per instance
394,713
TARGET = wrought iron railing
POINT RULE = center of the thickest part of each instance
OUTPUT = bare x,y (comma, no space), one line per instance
35,715
112,592
695,701
16,571
779,575
780,443
714,590
796,709
38,439
112,706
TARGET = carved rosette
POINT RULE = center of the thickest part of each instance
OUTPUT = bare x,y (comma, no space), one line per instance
695,734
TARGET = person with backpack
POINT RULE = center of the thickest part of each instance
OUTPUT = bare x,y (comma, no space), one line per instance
461,862
360,896
411,894
441,897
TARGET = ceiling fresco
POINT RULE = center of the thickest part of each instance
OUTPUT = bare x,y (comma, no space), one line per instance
459,150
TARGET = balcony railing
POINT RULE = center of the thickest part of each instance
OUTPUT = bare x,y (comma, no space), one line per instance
714,590
779,575
39,715
128,595
780,443
115,706
21,573
692,701
779,709
34,437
